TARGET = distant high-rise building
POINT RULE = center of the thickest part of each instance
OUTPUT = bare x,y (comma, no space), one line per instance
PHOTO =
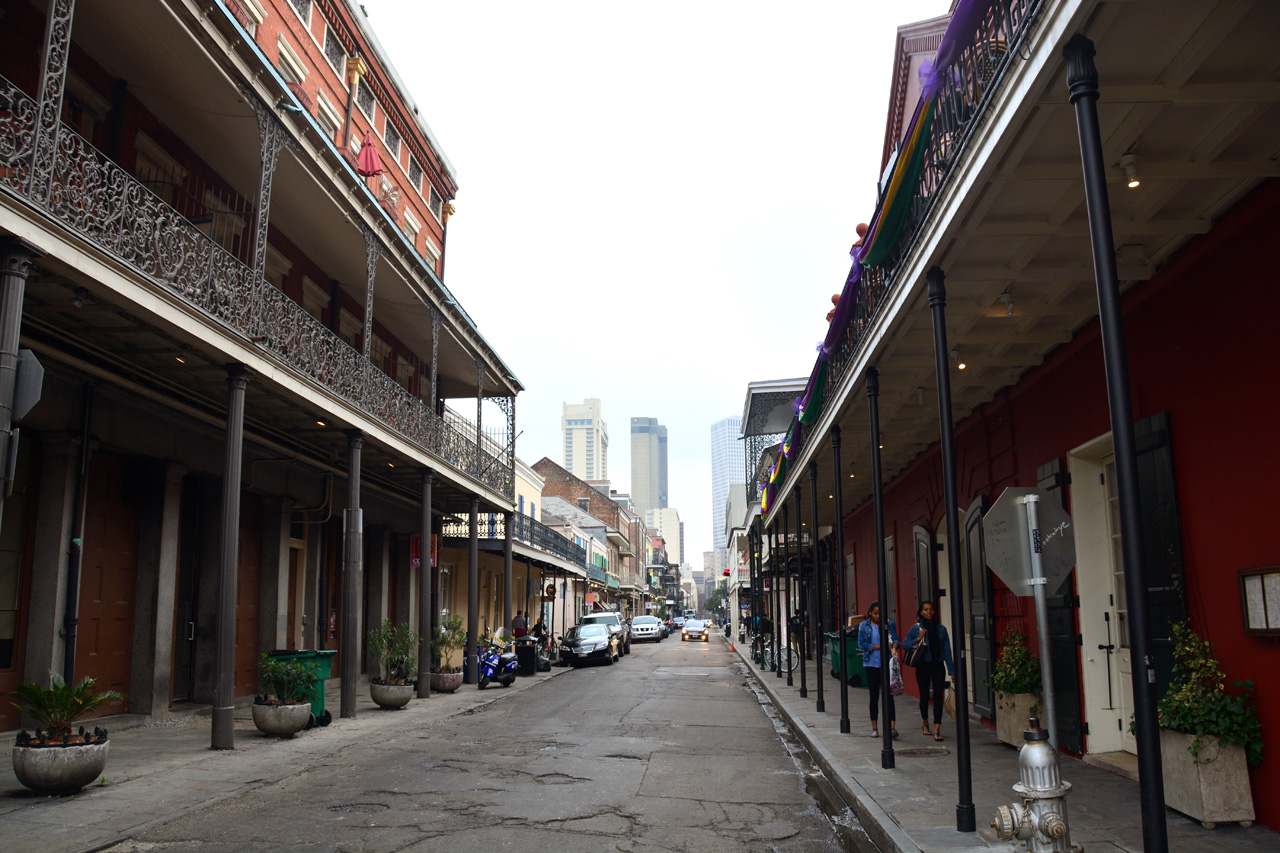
727,468
586,441
648,464
669,526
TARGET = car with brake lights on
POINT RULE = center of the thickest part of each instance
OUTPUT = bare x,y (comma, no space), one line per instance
587,643
695,629
646,628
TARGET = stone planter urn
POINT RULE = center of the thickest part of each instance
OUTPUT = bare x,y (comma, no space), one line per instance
59,769
281,720
446,682
1212,787
390,696
1013,715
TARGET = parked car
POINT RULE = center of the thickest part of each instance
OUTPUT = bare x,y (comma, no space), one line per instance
695,629
616,624
585,643
646,628
677,622
664,629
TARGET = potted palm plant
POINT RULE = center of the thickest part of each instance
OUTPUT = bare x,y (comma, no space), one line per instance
393,646
1208,736
1016,682
450,637
56,760
284,707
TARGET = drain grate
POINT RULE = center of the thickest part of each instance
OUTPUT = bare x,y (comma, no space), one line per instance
923,752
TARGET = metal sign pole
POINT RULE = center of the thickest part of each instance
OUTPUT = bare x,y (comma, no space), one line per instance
1037,584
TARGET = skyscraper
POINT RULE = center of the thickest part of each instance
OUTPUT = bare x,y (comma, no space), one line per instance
727,467
648,464
669,526
586,441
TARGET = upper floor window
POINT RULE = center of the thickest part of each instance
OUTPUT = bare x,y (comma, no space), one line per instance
415,174
335,53
380,354
431,253
315,301
289,64
411,228
303,8
364,99
435,203
392,138
328,116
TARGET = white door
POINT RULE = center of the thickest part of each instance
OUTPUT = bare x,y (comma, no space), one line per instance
1118,613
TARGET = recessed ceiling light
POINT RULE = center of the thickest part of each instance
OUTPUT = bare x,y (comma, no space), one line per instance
391,464
321,423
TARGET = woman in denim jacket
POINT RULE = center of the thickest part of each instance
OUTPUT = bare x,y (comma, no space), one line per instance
937,655
869,642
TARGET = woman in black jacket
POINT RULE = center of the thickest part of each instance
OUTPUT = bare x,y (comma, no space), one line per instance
930,673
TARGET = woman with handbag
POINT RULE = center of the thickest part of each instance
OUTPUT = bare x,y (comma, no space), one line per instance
929,651
869,642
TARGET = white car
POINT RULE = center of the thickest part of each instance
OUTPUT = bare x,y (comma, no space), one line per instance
646,628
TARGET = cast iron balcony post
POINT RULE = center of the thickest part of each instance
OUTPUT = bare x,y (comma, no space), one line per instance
882,586
818,603
837,492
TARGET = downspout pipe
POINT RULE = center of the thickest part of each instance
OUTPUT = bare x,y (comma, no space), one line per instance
72,616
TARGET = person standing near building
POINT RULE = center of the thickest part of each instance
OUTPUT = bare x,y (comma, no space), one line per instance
869,641
519,625
930,676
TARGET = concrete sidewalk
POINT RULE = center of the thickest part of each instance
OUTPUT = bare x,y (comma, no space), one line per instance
159,771
912,807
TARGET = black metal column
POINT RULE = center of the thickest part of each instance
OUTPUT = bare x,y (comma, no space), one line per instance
802,600
754,556
471,661
775,587
966,819
819,637
352,563
509,524
224,655
1082,83
49,94
838,490
882,586
424,590
785,649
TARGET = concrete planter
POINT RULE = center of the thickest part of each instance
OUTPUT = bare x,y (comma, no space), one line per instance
390,696
59,769
1212,788
1013,710
446,682
281,720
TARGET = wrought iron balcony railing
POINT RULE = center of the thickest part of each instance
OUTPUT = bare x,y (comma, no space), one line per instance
528,530
965,98
87,192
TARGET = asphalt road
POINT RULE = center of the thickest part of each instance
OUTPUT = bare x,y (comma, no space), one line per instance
668,750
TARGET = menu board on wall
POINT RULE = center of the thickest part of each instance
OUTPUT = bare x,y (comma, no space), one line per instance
1260,600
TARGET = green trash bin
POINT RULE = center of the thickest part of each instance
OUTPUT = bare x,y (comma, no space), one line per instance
851,658
319,662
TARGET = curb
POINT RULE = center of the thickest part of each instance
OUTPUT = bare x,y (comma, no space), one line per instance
879,825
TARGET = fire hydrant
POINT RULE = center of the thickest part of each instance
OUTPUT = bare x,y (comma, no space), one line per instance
1041,818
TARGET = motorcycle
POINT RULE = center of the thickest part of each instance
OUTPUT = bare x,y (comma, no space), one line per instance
496,663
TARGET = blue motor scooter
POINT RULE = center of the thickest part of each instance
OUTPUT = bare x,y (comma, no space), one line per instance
497,663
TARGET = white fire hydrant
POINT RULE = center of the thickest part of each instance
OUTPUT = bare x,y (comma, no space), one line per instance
1041,818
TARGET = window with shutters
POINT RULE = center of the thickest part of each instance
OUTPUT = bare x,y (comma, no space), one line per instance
436,204
335,52
364,99
392,138
415,174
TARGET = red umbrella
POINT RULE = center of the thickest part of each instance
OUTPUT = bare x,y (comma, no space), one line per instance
368,163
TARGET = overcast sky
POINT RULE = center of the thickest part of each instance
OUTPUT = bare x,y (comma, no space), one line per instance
656,200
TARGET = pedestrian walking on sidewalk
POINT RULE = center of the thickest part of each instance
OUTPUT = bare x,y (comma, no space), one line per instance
932,673
869,643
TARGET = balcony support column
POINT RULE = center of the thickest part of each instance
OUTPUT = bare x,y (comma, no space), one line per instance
433,403
784,650
818,600
372,252
353,551
425,553
882,581
473,592
966,818
16,257
479,413
775,586
53,78
841,613
272,136
224,687
1082,83
802,592
508,524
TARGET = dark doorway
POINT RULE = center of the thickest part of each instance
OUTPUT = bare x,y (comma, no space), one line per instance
981,631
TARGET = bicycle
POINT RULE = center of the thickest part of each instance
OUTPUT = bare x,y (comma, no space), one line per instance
787,660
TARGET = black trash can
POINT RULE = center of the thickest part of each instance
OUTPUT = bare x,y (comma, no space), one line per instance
526,659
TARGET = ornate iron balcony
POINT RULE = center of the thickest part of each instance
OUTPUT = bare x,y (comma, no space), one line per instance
88,193
525,529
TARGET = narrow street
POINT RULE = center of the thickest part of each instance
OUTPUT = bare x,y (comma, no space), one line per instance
669,749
